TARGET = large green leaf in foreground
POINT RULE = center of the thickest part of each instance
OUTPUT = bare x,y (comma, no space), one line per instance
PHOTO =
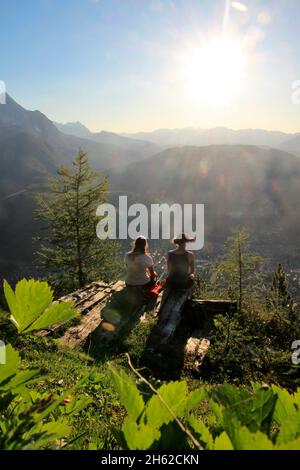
32,307
11,377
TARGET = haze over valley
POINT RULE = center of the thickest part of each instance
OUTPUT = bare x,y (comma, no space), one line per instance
244,178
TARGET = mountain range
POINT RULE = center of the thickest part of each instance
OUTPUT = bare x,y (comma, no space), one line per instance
221,136
165,138
240,185
31,150
236,174
138,148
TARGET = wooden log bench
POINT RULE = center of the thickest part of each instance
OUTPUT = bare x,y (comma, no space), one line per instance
120,314
104,310
184,324
170,312
104,315
89,303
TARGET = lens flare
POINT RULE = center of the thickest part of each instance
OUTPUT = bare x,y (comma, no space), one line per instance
239,7
213,72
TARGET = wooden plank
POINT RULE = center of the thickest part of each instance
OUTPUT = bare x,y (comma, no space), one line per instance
170,312
81,295
84,301
118,286
107,331
77,335
92,319
93,300
123,304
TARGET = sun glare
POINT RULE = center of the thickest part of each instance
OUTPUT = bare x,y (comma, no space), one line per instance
214,72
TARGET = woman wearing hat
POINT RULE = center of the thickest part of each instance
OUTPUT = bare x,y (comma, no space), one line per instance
181,264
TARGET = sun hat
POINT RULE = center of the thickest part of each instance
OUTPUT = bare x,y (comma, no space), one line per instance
183,238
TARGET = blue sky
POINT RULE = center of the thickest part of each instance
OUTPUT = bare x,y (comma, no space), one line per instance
132,65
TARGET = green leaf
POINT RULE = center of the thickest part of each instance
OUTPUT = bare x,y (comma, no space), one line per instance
174,394
201,432
289,429
296,398
11,366
231,397
11,378
284,406
217,410
31,306
223,442
24,377
56,313
243,439
253,410
77,405
293,445
9,296
43,434
30,299
194,398
264,402
129,394
139,436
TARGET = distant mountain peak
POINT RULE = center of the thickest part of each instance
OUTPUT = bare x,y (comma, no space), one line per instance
216,135
15,116
75,128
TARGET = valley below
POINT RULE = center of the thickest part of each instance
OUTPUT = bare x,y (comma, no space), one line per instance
240,185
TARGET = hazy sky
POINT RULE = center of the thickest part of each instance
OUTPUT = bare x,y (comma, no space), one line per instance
131,65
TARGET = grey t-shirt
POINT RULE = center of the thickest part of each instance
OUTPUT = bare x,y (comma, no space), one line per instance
137,269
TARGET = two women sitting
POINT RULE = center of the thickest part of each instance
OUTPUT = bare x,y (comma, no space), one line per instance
181,265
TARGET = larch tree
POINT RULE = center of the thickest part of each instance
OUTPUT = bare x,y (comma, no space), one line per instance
70,252
238,273
280,296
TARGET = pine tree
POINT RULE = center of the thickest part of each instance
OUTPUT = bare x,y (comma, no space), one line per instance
280,296
70,252
238,273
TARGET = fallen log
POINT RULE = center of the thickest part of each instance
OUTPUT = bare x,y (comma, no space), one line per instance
122,311
170,312
107,309
76,335
89,302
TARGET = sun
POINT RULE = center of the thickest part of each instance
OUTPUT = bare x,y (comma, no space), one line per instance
213,72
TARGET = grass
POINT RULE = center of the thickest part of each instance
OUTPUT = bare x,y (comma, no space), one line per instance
63,368
93,428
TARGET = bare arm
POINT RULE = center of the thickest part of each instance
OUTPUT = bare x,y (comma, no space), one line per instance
169,265
153,274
